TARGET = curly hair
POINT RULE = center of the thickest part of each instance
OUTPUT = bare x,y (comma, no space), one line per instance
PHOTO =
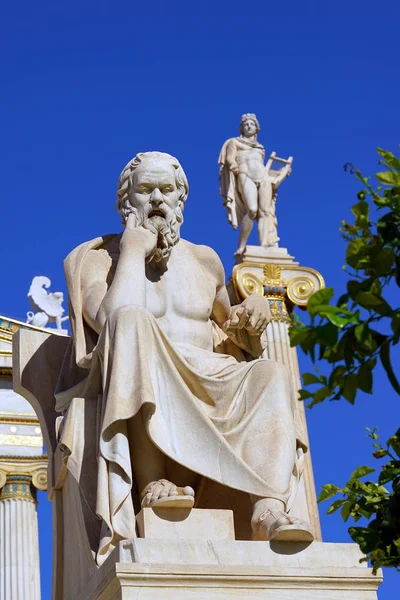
248,117
125,181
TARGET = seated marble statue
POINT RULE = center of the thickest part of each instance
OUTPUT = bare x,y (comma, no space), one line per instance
158,389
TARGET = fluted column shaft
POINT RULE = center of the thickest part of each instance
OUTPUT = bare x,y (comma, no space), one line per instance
19,541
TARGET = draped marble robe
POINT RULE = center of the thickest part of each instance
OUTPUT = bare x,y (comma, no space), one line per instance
207,411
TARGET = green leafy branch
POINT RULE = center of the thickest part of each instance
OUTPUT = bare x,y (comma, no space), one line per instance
380,539
352,335
349,338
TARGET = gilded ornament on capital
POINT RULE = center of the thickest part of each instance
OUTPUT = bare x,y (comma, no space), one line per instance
272,273
39,479
248,284
17,487
300,289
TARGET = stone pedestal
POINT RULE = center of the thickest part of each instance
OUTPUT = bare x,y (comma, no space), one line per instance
185,524
216,570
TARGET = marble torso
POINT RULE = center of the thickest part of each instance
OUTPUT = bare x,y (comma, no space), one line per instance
250,160
184,321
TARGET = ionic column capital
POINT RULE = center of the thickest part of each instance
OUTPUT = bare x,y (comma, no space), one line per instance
283,285
20,477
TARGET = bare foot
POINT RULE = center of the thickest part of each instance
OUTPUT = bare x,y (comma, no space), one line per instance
165,493
240,251
277,525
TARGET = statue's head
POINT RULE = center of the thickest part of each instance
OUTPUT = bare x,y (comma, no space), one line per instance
249,125
154,187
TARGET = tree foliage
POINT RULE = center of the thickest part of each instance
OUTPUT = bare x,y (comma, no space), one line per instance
349,338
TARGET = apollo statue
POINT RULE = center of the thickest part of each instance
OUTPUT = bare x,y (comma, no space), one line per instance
248,188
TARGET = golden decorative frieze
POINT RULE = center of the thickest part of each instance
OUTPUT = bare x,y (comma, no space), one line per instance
5,372
19,419
10,439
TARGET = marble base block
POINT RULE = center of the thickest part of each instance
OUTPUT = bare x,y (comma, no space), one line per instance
185,524
262,255
149,569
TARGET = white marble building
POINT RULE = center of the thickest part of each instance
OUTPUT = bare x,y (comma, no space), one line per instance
23,470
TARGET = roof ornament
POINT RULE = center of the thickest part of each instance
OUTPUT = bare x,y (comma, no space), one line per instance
48,305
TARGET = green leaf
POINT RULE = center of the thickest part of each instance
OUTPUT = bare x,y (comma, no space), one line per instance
305,395
334,506
389,474
395,324
320,395
333,317
353,287
384,355
364,378
361,208
373,302
310,378
376,287
383,261
298,335
327,334
390,159
346,511
350,387
328,490
388,178
321,297
361,472
366,538
336,377
364,337
355,251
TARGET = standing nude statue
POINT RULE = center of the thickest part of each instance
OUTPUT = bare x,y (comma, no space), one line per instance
249,188
159,386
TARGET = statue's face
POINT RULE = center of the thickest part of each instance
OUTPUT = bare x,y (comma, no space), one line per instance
154,192
249,128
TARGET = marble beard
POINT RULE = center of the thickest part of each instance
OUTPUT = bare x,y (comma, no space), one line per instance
162,386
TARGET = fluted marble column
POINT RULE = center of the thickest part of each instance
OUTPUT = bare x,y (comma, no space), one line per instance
284,283
19,545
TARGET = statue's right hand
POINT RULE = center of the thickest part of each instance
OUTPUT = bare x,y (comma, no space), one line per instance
138,237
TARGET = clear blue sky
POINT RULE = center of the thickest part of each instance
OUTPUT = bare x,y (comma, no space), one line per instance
86,85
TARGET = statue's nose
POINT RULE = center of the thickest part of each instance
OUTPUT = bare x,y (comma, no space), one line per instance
156,197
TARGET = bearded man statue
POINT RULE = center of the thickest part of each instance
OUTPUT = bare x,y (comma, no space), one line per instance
162,388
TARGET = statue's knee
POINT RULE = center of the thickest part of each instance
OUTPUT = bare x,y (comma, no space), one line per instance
275,373
252,214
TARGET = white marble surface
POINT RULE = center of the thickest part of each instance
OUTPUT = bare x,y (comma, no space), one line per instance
164,336
248,188
48,305
204,569
19,550
180,524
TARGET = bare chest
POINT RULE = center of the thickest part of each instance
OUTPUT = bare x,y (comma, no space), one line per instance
183,291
